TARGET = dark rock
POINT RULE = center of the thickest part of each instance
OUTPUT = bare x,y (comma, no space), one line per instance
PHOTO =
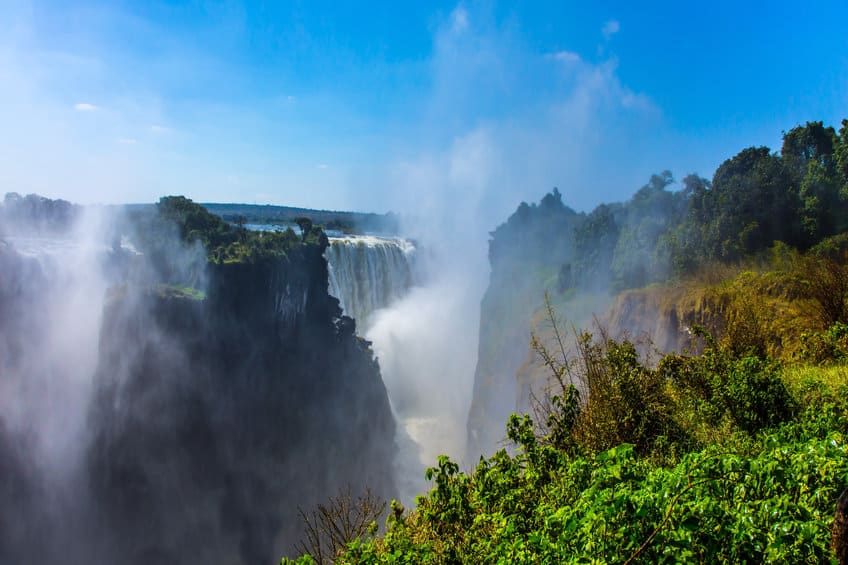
839,533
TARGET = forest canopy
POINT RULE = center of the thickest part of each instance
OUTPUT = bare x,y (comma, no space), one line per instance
797,196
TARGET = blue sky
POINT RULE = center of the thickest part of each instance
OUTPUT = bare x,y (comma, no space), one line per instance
376,106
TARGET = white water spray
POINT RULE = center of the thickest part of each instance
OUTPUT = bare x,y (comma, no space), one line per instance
421,331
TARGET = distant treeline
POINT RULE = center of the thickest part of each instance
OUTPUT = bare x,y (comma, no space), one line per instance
347,222
798,196
36,213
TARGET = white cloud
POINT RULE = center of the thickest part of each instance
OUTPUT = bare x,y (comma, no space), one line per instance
155,128
610,28
84,107
566,56
127,141
323,166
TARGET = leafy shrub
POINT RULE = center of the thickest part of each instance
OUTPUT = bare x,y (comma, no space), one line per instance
822,348
755,395
626,402
826,278
603,395
771,501
748,390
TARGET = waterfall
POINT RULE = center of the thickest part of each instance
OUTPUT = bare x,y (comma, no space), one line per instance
368,273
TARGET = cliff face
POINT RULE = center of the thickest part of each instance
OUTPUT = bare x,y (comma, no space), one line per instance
526,254
194,427
657,316
215,419
504,335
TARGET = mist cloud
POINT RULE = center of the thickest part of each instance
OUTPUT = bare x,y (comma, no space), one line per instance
471,167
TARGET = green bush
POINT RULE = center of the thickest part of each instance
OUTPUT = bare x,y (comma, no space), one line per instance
626,402
770,501
718,385
823,348
755,395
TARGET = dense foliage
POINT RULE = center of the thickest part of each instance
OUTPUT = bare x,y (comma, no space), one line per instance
798,196
761,488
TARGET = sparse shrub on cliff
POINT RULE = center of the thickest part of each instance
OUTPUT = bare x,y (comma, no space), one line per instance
330,526
626,402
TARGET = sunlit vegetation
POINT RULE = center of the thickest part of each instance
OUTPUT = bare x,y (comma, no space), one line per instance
716,458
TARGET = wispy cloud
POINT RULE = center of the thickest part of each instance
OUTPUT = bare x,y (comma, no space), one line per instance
459,19
156,128
323,166
516,123
84,107
127,141
610,28
565,56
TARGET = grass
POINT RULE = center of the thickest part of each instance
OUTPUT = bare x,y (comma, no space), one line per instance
804,380
180,292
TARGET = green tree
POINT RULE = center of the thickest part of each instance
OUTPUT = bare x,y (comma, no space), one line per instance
841,156
811,166
594,242
653,210
305,225
751,205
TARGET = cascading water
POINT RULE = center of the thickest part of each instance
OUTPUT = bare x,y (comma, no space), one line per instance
419,345
370,276
368,273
